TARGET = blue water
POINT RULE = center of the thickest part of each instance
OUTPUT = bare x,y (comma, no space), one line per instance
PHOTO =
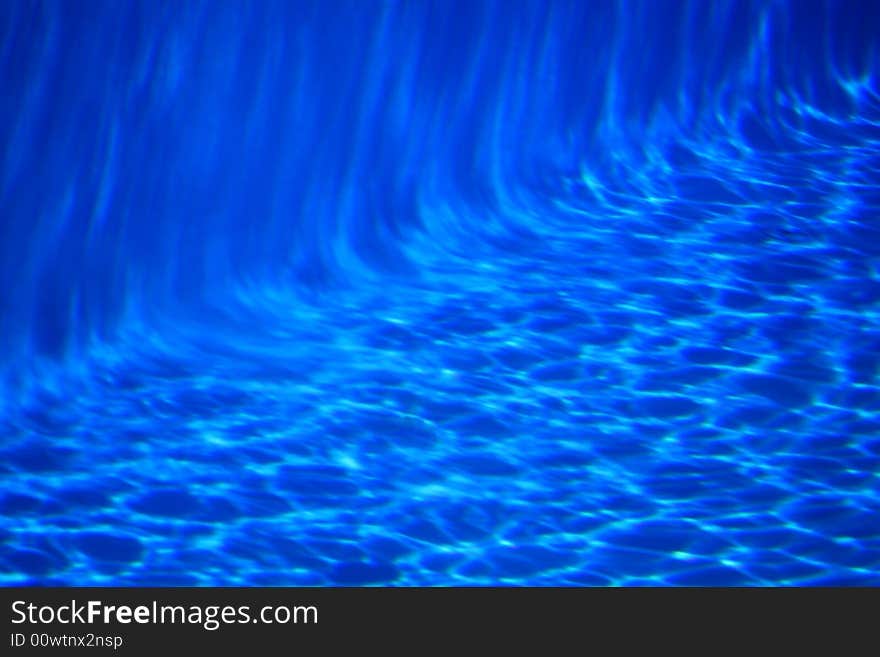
440,293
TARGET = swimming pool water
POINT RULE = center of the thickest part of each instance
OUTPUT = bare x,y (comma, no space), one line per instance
656,367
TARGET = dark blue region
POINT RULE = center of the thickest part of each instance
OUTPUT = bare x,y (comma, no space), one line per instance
440,293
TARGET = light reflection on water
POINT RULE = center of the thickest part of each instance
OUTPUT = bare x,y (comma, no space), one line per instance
440,293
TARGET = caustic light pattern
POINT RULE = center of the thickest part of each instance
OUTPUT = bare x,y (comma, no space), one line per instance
440,293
